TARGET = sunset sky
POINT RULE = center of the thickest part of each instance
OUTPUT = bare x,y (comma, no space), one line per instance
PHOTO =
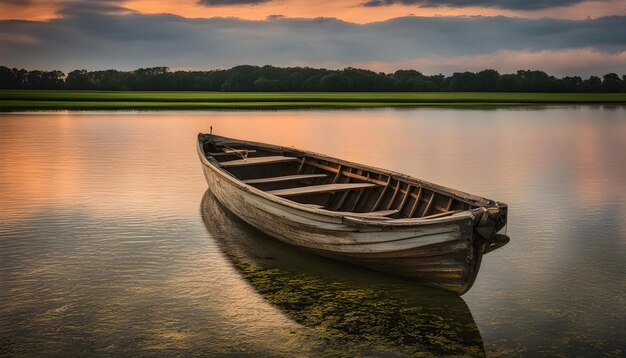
561,37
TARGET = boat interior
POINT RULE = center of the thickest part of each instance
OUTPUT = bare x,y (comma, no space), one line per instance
321,183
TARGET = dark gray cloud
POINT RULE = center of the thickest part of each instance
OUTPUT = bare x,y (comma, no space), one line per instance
73,7
131,40
499,4
82,7
231,2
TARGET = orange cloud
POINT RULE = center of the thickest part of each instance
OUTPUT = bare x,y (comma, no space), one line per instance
351,11
35,11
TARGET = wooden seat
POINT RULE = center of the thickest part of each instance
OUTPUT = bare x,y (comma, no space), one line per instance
284,178
434,216
258,161
439,215
314,206
381,214
372,213
319,189
232,152
378,215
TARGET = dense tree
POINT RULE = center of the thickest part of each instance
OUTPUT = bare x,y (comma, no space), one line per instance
401,79
571,84
265,85
336,82
42,79
464,82
611,82
487,80
78,79
421,85
8,78
312,83
592,84
532,81
271,78
295,81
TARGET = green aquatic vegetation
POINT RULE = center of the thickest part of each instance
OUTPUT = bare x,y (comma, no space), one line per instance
346,310
102,100
370,316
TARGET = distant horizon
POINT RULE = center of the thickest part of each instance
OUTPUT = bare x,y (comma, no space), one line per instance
561,37
250,78
222,68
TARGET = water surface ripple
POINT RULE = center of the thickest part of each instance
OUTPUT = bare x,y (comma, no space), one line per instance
109,245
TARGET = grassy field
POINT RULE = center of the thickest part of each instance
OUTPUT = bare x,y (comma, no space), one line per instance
16,100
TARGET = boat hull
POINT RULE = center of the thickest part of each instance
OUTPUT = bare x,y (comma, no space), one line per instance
443,253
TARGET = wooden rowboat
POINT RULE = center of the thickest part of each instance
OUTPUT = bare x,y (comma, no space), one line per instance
372,217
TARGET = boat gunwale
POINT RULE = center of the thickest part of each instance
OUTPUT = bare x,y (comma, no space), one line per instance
210,161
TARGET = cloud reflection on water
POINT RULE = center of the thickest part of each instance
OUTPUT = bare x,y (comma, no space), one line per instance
104,205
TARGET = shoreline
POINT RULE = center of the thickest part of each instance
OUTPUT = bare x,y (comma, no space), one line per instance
25,100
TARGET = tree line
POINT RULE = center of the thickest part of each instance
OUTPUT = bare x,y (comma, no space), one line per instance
248,78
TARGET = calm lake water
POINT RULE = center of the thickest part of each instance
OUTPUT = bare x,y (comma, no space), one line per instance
110,245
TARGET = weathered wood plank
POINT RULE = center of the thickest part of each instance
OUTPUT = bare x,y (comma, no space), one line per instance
345,194
236,152
405,198
258,161
382,194
301,165
439,215
338,174
314,206
418,198
348,174
318,189
284,178
374,213
431,201
395,193
359,195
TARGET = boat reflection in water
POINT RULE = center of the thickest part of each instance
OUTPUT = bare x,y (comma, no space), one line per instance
354,310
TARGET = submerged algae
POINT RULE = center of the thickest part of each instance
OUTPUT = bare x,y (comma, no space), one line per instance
353,310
